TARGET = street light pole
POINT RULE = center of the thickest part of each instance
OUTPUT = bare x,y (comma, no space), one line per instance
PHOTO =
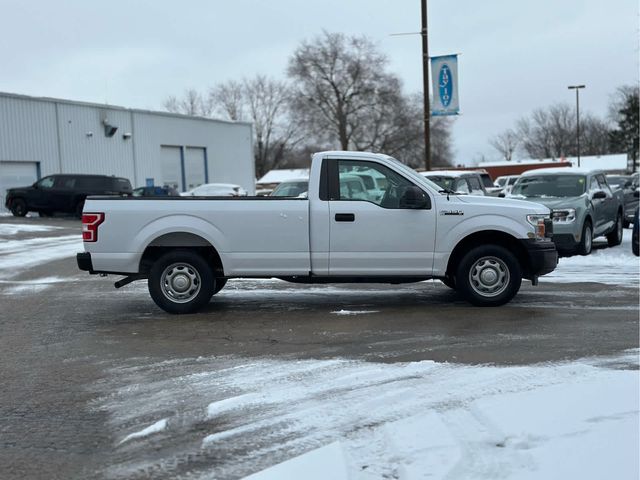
425,78
577,89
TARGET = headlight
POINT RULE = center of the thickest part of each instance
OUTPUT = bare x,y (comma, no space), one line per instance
535,219
565,215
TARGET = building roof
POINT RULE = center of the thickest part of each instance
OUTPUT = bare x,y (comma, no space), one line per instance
591,162
284,174
116,107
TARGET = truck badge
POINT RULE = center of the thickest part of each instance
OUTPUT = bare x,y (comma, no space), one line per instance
451,212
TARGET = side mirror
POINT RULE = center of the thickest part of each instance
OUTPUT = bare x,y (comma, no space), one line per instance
636,194
501,195
599,195
414,198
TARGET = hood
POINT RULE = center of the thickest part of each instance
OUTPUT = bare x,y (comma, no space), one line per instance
555,202
19,189
502,203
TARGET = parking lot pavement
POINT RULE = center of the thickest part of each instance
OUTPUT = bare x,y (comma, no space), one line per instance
99,383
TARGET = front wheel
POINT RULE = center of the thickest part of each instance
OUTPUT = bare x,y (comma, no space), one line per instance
586,241
19,207
181,281
615,237
488,276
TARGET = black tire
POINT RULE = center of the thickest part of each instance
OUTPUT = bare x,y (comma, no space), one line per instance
586,240
181,281
615,237
488,276
19,207
220,283
79,208
449,282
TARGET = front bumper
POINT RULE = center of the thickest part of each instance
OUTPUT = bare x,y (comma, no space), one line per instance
542,257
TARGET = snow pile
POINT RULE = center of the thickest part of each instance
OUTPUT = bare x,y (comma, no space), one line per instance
159,426
402,420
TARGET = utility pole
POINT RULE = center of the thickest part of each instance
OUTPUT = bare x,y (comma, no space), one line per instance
577,89
425,77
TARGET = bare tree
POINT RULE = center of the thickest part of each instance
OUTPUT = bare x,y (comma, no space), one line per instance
228,99
345,97
191,103
338,80
552,133
506,143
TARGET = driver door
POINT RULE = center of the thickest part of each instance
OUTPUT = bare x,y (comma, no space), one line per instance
377,236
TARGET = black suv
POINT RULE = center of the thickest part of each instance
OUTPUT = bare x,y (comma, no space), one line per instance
63,193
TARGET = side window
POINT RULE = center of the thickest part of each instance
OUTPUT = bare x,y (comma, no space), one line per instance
391,186
475,184
65,182
603,184
462,186
593,185
46,182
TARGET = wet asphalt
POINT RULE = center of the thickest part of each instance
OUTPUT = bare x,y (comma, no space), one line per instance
60,342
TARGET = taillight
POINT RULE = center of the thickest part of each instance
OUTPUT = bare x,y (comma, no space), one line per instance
90,223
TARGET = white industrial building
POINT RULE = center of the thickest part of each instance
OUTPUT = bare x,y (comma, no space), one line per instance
43,136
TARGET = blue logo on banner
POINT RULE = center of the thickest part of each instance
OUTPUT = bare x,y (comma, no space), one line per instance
445,85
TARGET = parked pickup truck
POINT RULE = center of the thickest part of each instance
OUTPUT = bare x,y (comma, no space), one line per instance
582,204
188,247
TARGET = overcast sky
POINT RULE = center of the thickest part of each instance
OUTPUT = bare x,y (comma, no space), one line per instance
517,55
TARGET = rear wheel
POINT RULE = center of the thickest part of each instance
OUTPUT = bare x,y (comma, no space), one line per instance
586,241
615,237
19,207
488,276
181,281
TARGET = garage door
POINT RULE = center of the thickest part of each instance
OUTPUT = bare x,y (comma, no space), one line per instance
171,167
16,174
194,167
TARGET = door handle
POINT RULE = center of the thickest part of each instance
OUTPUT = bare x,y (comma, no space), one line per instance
345,217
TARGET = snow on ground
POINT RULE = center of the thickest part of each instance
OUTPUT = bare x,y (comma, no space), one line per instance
403,420
31,286
354,312
159,426
613,266
19,255
9,229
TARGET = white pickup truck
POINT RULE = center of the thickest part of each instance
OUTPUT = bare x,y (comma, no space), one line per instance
188,247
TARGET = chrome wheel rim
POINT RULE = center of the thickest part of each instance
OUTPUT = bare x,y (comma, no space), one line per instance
489,276
180,282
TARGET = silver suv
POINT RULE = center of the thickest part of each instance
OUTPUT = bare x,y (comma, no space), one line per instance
582,204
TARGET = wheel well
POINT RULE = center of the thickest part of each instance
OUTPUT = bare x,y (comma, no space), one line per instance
489,237
172,241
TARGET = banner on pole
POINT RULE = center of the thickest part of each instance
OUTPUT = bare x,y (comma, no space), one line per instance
444,79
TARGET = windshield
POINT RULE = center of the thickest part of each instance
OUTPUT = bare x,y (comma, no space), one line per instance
443,182
550,186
